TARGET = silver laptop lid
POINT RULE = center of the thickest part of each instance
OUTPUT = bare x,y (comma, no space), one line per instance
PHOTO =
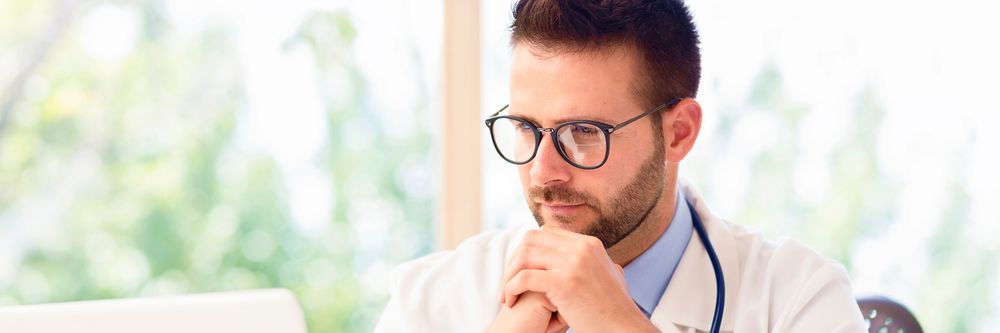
255,311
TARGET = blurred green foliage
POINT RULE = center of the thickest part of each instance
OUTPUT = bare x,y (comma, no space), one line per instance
124,178
860,205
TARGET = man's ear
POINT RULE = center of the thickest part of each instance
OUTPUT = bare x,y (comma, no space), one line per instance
680,129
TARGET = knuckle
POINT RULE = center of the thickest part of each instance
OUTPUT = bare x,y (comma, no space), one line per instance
521,255
521,282
572,281
523,277
529,277
527,251
510,287
594,243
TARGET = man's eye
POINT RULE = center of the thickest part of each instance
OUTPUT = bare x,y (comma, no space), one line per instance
583,129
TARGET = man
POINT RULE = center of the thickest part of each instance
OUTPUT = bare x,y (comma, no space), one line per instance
602,112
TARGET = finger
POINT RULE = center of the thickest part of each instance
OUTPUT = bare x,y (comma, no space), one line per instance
531,257
509,270
527,280
547,304
569,241
527,257
556,324
576,237
560,231
533,238
548,237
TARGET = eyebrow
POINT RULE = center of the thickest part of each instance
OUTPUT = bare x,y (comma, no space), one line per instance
563,119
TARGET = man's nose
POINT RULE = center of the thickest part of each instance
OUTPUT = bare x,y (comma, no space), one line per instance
548,167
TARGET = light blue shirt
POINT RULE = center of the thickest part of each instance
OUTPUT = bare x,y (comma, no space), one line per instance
648,274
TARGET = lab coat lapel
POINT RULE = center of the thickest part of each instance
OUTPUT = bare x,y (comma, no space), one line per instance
689,300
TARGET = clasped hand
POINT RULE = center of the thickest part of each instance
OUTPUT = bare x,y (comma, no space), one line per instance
557,278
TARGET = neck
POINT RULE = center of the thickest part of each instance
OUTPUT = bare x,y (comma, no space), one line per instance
655,224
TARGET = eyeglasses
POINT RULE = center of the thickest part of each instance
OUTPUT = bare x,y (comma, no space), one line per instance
583,144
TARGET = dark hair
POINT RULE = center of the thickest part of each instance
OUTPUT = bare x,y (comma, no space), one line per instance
660,31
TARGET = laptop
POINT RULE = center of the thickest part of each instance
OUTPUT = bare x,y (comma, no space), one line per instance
254,311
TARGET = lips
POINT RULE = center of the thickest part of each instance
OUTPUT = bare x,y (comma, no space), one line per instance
561,208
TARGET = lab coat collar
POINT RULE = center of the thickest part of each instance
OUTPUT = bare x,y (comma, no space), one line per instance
690,297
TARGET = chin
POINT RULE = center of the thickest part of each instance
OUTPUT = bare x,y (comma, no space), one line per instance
565,223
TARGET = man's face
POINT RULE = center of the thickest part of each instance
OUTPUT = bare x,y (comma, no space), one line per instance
552,88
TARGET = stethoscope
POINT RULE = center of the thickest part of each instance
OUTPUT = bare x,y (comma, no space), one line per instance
720,281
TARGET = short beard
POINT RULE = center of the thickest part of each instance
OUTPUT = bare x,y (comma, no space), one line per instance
626,212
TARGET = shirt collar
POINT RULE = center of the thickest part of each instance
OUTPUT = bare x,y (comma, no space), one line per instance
648,274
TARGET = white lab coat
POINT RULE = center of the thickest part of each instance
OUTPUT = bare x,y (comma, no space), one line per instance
780,286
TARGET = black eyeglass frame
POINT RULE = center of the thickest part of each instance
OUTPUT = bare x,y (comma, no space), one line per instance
606,128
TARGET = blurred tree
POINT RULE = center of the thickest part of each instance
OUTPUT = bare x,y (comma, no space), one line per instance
859,202
124,178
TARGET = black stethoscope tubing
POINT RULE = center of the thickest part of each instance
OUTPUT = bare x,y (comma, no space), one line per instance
720,287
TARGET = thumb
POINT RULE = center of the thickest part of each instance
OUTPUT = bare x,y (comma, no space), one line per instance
557,324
